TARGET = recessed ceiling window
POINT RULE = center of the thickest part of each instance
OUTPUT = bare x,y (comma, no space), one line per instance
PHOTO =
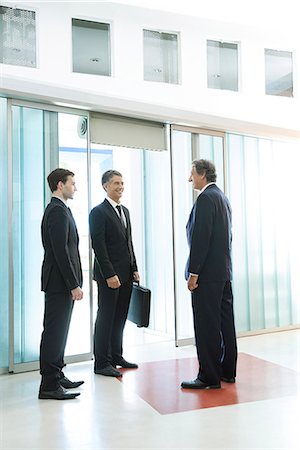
222,65
160,57
279,73
91,47
17,37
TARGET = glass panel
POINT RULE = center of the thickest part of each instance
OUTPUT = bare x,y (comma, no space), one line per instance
4,273
73,156
158,245
222,65
182,204
265,233
91,47
160,57
279,73
18,37
28,208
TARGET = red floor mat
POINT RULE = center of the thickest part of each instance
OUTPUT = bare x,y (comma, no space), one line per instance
158,383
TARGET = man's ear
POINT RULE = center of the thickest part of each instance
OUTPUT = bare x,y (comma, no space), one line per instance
60,185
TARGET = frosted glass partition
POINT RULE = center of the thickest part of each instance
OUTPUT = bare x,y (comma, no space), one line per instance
161,57
264,196
4,273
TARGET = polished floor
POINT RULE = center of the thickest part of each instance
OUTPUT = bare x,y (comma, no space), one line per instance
148,410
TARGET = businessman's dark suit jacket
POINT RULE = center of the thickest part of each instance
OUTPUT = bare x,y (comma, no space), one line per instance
114,255
61,272
112,243
209,238
61,269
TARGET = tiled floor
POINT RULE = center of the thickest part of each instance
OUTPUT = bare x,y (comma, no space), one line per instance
148,410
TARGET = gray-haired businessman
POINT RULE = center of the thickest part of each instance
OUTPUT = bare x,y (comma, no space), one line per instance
209,273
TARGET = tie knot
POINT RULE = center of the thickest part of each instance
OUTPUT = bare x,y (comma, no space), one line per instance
119,208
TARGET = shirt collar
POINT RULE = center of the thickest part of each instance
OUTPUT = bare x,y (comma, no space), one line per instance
61,199
208,184
112,202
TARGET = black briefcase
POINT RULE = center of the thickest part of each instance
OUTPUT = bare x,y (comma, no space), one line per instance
139,307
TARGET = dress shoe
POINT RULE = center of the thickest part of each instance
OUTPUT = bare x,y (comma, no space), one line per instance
59,394
198,384
228,380
125,364
108,371
68,384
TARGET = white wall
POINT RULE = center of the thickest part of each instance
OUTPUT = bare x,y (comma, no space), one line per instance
249,110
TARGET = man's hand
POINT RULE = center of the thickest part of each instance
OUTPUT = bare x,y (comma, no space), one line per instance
77,293
136,276
113,282
192,282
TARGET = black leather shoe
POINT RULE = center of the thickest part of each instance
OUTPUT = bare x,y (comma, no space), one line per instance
108,371
125,364
228,380
198,384
68,384
59,394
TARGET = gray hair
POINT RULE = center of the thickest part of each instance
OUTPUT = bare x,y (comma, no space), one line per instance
207,167
108,175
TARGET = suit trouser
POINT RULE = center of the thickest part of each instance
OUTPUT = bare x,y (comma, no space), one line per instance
112,313
214,331
57,317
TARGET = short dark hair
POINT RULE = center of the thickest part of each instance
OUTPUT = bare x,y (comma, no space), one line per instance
207,167
56,176
107,176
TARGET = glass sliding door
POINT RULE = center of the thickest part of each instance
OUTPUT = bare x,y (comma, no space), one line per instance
73,155
189,144
38,135
147,190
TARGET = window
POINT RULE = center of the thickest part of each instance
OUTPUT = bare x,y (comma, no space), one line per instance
222,65
279,73
17,37
91,47
160,57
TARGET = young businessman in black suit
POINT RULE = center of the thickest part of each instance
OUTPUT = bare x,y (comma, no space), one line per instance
114,271
208,274
61,282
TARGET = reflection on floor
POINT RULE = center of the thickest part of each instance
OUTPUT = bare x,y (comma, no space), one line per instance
253,384
148,410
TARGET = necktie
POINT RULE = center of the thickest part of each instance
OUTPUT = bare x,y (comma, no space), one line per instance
118,207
